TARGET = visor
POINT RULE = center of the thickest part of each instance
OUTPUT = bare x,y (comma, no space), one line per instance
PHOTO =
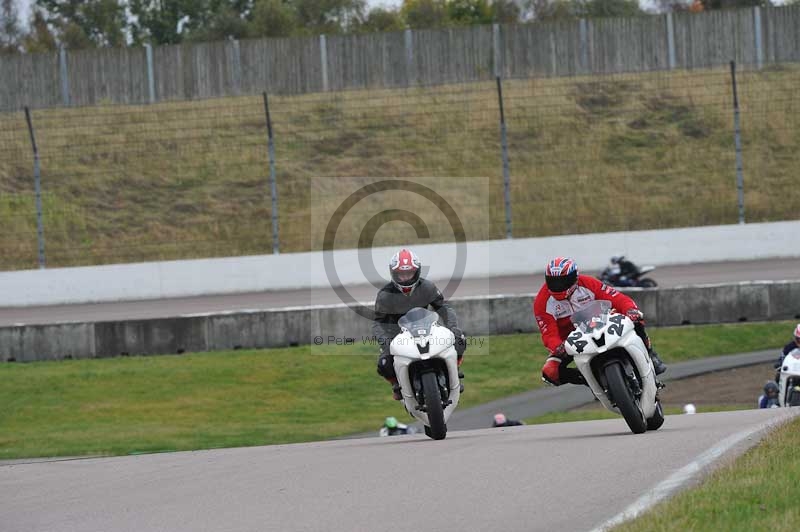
561,283
404,276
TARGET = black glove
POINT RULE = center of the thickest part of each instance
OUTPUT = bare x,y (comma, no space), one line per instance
460,341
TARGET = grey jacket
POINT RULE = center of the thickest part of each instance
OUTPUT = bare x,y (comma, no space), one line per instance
391,305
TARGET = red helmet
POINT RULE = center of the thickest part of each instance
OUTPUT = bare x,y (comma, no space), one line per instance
797,334
405,269
561,276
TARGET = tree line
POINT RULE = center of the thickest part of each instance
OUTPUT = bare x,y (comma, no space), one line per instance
78,24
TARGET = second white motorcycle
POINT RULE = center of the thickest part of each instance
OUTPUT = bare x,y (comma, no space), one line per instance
615,364
789,381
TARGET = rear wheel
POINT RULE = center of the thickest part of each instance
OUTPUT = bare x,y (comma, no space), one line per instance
655,422
433,406
623,397
647,283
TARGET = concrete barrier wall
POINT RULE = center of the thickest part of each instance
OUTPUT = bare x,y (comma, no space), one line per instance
298,326
127,282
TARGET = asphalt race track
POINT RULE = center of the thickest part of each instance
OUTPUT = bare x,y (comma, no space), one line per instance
726,272
568,476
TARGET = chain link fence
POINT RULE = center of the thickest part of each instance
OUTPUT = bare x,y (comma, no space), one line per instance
584,154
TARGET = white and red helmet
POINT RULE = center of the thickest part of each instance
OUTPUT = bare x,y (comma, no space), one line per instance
405,269
797,333
561,277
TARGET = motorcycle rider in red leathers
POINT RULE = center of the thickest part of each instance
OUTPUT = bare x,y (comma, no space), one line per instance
564,292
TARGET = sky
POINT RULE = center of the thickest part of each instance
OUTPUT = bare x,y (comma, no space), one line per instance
24,9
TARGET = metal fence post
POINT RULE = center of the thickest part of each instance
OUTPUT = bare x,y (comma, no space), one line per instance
408,38
737,135
273,185
583,33
62,63
496,48
38,189
151,82
237,67
670,41
323,52
506,170
758,39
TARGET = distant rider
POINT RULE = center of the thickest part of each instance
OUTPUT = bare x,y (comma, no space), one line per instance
770,397
565,292
392,428
406,291
500,420
626,270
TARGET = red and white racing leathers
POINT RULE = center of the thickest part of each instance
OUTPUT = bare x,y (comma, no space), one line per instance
552,315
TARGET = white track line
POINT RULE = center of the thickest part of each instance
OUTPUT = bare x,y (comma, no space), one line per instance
686,473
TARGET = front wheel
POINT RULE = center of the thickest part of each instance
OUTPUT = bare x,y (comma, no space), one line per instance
433,406
655,422
623,397
647,283
794,397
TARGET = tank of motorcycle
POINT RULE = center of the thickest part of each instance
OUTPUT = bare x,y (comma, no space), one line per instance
789,368
636,349
404,348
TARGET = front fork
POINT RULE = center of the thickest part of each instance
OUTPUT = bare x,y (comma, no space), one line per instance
630,378
444,391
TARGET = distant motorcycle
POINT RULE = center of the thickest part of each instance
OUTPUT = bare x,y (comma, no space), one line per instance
789,381
399,430
624,273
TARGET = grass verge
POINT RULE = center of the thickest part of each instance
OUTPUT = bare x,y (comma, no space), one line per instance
758,491
602,413
241,398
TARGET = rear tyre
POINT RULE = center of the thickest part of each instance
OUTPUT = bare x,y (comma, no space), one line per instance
433,406
622,395
655,422
647,283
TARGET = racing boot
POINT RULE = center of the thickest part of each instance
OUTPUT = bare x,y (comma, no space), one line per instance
460,378
659,366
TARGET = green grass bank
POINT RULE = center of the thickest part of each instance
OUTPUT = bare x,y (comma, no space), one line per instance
243,398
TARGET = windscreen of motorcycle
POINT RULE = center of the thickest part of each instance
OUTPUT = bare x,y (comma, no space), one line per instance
592,316
418,321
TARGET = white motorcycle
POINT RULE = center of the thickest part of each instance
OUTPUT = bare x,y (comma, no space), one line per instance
614,362
789,382
425,362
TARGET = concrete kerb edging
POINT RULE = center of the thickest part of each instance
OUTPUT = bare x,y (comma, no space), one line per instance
479,316
735,444
559,399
